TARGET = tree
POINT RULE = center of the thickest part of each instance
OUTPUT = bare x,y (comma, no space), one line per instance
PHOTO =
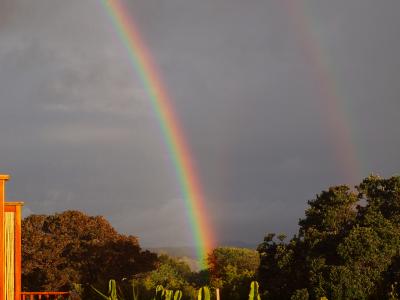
232,270
348,246
282,272
171,273
71,247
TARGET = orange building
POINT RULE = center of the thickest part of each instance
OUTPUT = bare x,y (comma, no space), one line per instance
10,252
10,246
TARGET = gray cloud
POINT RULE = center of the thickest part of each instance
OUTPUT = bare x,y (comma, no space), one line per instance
77,130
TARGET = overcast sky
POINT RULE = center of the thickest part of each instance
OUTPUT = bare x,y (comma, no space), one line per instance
77,130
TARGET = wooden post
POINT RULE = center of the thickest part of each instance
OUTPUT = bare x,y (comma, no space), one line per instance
217,293
17,252
3,179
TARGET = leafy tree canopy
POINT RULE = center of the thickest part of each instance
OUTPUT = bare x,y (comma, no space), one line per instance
172,274
71,247
347,247
232,270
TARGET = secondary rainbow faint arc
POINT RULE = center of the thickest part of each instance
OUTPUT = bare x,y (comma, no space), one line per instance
332,110
180,154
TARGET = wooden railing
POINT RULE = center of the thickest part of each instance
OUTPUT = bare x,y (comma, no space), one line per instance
44,295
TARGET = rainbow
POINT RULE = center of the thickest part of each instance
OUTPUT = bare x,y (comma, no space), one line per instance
331,101
180,154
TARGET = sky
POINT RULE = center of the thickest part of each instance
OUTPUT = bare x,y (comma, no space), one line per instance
278,101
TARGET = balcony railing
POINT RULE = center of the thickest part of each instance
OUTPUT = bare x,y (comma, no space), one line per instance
44,295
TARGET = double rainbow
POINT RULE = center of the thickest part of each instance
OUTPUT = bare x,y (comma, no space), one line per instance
142,62
331,102
331,109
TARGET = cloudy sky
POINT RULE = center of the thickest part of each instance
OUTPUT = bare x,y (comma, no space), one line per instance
278,99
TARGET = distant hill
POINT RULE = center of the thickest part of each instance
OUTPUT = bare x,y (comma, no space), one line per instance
239,244
175,251
188,253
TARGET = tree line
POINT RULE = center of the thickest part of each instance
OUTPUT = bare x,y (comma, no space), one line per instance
347,247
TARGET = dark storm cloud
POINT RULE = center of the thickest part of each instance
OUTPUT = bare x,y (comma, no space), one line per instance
6,11
77,131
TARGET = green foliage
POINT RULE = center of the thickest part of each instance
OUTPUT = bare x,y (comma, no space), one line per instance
172,274
159,292
392,294
178,295
165,294
254,295
112,291
348,246
135,290
168,294
232,270
300,295
204,293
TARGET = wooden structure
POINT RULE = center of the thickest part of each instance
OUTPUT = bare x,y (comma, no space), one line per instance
44,295
10,252
10,246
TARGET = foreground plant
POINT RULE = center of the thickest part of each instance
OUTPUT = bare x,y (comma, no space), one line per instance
204,293
254,294
112,291
178,295
165,294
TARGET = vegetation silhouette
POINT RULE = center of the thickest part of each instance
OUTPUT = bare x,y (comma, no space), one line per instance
347,247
